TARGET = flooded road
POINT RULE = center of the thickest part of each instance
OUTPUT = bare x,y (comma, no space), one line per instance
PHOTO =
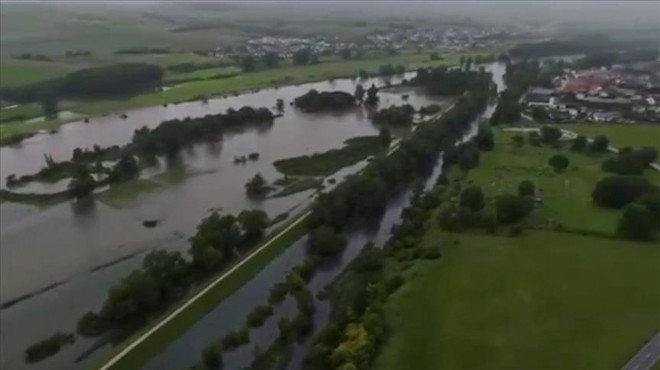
65,247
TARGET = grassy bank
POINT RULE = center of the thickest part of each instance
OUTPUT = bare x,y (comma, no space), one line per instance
155,343
327,163
544,300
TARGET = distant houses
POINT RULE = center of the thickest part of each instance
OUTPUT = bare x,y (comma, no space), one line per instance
599,95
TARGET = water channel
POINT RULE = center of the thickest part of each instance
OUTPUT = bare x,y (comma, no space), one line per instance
60,253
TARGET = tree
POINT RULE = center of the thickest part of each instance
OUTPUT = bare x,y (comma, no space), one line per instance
651,200
49,105
468,63
636,223
256,186
359,93
526,189
472,198
82,183
617,191
302,56
126,168
253,222
211,356
485,138
372,95
518,140
599,144
434,56
550,135
345,53
324,241
579,144
91,324
385,136
469,156
247,63
271,59
626,163
647,154
539,114
461,61
511,208
558,162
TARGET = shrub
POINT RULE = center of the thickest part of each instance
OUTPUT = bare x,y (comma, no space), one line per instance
511,208
211,357
599,144
617,191
558,162
91,325
324,241
579,144
636,223
47,347
472,198
550,134
258,315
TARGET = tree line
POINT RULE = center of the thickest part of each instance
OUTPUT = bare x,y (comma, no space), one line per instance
98,82
165,277
450,81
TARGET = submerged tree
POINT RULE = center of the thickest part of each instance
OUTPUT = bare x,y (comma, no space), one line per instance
372,95
256,186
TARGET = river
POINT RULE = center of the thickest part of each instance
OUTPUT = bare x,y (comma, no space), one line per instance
231,313
63,247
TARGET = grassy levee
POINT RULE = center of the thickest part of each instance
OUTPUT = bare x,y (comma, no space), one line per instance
220,289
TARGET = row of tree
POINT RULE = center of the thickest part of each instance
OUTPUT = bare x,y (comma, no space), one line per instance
165,277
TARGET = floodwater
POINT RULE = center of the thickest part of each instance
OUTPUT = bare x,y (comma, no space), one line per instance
231,313
64,245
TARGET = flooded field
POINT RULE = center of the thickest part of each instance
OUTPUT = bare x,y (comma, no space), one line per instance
57,263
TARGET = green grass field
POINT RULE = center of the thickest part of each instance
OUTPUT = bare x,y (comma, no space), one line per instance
14,72
620,135
202,74
566,196
544,300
